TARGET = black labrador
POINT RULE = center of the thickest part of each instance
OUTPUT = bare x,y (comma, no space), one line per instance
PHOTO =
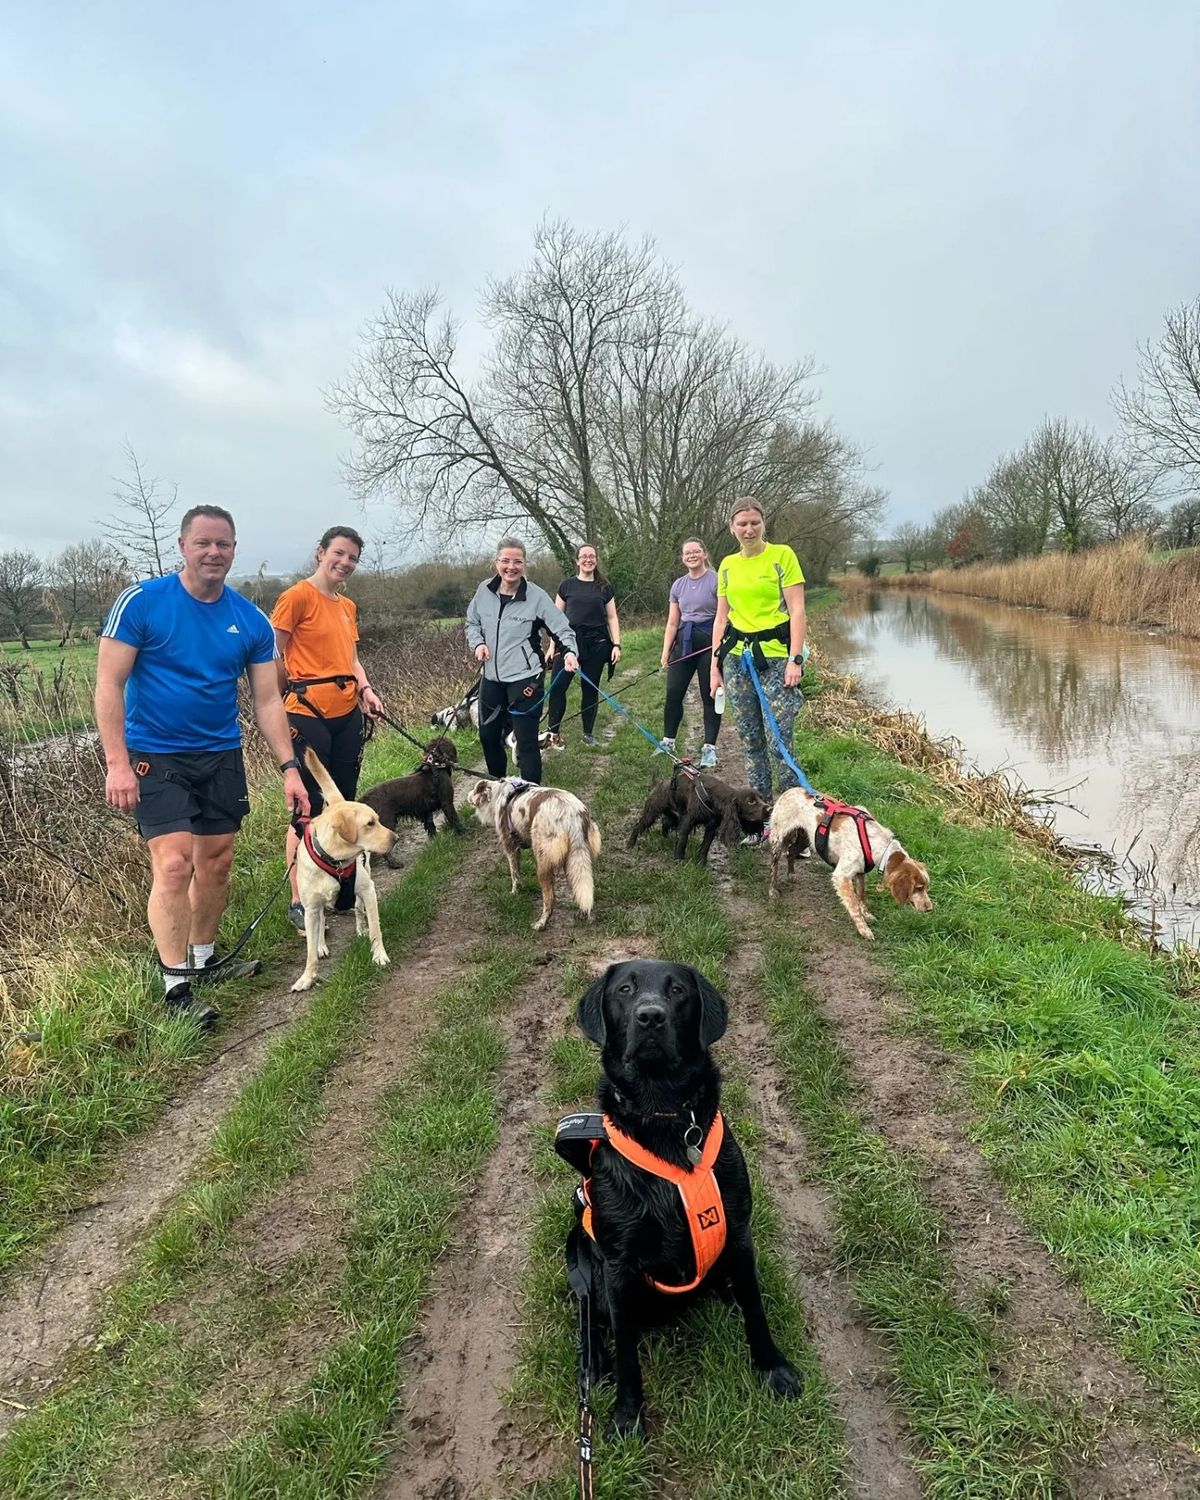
654,1023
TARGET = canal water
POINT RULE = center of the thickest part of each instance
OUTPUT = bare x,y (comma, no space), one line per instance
1104,718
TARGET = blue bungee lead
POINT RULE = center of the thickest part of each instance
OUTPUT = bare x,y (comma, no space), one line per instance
785,750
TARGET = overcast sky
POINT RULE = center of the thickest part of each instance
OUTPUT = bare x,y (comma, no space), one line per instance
968,215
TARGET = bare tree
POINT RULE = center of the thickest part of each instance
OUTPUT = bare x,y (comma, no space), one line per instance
1162,412
605,411
906,542
141,527
1018,504
1126,502
82,580
1065,462
1182,525
21,604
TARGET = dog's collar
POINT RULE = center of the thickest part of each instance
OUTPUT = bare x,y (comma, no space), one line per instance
324,860
686,1112
892,847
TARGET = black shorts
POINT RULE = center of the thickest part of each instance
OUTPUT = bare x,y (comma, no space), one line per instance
200,792
338,743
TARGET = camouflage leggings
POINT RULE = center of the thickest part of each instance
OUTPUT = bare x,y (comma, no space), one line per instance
757,739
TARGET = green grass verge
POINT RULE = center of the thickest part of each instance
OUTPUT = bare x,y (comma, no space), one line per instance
69,1443
1082,1054
110,1055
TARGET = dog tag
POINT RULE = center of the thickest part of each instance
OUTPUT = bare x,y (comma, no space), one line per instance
693,1139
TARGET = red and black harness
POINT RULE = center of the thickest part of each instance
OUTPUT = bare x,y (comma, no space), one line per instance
829,808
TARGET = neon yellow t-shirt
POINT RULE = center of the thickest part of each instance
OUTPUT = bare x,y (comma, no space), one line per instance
754,587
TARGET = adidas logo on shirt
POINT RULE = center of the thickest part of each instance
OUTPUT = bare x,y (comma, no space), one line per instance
233,630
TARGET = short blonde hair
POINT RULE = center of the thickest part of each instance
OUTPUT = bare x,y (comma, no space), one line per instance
747,502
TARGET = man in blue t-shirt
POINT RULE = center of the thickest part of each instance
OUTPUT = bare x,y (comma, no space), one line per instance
170,655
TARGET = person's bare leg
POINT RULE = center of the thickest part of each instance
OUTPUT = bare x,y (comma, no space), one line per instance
293,843
169,909
212,859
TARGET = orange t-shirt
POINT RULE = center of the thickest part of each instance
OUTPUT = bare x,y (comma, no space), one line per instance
323,636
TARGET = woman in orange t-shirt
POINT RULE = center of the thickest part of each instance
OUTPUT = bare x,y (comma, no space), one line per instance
316,630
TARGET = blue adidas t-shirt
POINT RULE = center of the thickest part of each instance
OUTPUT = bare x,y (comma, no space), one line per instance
182,692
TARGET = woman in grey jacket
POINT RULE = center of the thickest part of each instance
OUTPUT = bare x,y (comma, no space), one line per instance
504,624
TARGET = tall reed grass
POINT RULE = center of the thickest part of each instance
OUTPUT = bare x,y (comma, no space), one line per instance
1122,584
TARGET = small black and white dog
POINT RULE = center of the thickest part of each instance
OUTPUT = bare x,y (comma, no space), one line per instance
463,715
654,1023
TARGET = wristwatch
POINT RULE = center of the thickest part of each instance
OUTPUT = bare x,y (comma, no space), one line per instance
797,660
289,765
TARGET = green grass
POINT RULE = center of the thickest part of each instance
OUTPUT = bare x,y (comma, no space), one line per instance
1081,1050
74,1438
110,1055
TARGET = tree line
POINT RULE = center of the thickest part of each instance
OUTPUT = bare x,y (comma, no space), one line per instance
1066,488
602,410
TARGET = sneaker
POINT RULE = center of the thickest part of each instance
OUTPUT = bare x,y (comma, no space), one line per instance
708,757
665,747
296,915
590,739
181,1001
754,840
223,972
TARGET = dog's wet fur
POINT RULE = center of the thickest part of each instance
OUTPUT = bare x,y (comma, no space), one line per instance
427,790
684,801
654,1023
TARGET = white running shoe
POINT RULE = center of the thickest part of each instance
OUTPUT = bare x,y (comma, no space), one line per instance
664,747
708,757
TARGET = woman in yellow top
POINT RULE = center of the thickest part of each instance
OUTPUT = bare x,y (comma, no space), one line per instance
760,609
324,685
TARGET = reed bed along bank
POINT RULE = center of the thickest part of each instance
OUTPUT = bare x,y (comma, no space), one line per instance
1122,584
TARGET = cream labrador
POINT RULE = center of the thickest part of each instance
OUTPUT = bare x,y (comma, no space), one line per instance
341,838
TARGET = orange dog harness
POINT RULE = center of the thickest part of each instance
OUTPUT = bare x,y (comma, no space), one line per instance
698,1192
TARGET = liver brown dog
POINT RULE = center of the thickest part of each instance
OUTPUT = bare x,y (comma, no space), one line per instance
654,1023
420,794
688,798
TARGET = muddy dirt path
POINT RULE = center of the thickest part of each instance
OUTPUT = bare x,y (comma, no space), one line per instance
51,1308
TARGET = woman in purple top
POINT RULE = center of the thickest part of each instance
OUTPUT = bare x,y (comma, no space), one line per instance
687,648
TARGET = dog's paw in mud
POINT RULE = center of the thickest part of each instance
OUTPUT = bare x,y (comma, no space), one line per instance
302,984
783,1380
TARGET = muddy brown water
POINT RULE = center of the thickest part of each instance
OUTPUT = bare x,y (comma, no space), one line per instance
1103,717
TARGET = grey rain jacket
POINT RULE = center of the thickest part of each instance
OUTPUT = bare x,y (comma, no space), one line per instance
514,642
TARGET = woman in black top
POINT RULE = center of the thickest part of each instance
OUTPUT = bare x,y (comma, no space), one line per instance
587,601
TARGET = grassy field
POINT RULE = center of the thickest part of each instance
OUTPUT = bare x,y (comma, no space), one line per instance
266,1342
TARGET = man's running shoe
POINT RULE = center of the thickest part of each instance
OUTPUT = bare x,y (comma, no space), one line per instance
708,757
181,1001
222,972
590,739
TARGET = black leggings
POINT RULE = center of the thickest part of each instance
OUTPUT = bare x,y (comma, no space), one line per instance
338,744
594,656
495,698
680,673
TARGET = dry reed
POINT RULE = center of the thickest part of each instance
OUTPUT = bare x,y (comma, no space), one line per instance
1121,584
